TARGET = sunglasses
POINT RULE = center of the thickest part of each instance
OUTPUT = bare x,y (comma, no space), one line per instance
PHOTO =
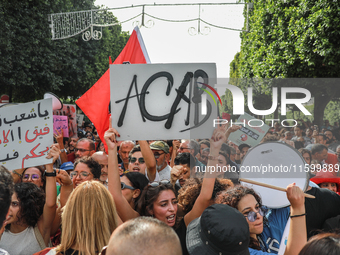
81,150
33,176
125,186
156,184
140,160
82,175
157,155
103,251
252,216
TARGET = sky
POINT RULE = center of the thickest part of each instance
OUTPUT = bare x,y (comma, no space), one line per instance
170,42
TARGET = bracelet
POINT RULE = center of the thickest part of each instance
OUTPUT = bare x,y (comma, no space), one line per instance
293,216
15,172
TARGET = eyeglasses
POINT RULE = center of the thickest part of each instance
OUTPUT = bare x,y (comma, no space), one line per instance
157,155
33,176
81,150
125,186
155,184
252,216
82,175
140,160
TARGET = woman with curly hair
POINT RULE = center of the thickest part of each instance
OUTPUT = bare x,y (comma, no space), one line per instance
88,219
266,234
188,194
35,175
31,214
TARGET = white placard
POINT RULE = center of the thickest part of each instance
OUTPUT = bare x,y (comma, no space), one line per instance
26,133
148,116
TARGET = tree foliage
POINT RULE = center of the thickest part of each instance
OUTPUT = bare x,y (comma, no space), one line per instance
32,64
293,39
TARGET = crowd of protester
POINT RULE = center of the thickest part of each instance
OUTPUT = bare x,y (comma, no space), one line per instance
145,197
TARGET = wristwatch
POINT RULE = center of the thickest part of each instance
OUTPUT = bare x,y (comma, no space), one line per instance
53,174
63,150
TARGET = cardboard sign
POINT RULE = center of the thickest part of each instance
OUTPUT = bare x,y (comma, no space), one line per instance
26,134
60,122
69,110
251,132
163,101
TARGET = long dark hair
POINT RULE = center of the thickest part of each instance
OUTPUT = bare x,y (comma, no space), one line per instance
138,181
233,196
149,196
32,200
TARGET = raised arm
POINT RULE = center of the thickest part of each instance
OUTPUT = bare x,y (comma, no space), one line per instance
149,158
175,146
60,140
65,190
297,236
219,137
124,209
45,222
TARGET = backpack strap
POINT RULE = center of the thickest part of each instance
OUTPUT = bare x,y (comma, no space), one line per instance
39,237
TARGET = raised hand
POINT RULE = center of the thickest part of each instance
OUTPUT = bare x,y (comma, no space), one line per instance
110,137
63,178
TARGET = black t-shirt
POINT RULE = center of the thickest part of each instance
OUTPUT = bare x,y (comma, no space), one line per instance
325,205
181,232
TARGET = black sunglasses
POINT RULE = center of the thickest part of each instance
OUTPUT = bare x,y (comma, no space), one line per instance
155,184
140,160
125,186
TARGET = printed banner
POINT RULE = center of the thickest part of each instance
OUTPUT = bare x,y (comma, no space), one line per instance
251,132
69,110
163,101
26,134
60,122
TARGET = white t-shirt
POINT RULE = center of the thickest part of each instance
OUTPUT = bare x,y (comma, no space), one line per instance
165,173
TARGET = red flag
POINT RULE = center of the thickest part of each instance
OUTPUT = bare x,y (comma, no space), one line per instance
95,102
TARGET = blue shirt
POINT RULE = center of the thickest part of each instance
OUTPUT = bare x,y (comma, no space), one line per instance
272,232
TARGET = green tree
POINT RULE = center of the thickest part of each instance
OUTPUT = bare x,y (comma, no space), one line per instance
32,64
294,39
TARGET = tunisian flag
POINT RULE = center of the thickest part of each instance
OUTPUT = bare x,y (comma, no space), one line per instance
95,102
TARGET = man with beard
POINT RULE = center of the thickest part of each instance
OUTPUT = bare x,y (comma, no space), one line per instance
161,153
331,142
